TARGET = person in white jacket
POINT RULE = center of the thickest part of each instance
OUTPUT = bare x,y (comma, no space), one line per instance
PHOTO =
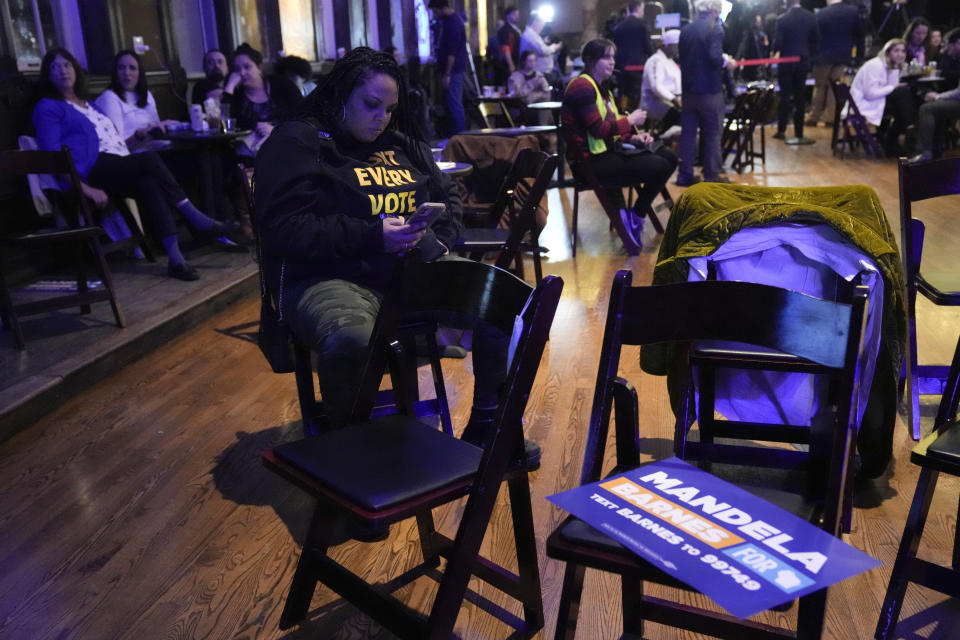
660,94
878,92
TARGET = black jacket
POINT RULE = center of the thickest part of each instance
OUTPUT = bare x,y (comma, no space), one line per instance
797,35
633,42
319,203
283,97
840,29
701,58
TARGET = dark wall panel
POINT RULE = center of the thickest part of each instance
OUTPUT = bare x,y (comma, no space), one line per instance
95,20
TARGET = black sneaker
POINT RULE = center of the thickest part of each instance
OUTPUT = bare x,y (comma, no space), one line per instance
182,271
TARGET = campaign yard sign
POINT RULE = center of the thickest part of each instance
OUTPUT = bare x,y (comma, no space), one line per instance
743,552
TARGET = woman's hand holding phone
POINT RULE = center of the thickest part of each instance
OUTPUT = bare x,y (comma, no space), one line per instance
398,236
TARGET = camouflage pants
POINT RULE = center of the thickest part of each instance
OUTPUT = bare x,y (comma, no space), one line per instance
336,317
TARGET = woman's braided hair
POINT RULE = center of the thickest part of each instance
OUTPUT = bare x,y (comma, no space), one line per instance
327,101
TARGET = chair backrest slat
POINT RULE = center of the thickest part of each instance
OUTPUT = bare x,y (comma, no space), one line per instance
925,180
22,163
762,315
452,293
824,332
462,293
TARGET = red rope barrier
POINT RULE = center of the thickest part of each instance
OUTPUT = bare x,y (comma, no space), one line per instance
740,63
757,61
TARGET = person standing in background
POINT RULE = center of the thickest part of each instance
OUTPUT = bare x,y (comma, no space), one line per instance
753,45
452,61
497,69
508,37
840,29
796,35
532,41
702,61
633,48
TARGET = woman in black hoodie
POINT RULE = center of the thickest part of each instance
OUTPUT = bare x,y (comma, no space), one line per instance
334,186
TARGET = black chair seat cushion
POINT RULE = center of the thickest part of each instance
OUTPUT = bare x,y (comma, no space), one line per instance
946,448
383,462
476,238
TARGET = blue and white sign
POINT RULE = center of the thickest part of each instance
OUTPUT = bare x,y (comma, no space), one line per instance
743,552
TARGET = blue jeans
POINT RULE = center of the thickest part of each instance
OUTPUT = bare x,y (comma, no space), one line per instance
704,110
454,97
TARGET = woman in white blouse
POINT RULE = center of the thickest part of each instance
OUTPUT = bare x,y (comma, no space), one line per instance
878,92
128,103
107,169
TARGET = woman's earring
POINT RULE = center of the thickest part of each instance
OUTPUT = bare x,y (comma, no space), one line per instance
344,115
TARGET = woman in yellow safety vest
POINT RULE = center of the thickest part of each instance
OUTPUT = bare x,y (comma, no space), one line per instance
619,154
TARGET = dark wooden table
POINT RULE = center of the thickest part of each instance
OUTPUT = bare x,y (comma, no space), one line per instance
455,169
552,105
209,145
511,132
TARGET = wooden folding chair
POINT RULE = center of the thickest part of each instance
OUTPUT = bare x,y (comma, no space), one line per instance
491,110
819,331
584,179
535,169
392,468
740,126
79,235
48,198
923,181
937,453
850,127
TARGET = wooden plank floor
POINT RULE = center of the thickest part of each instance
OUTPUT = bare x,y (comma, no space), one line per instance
68,351
140,508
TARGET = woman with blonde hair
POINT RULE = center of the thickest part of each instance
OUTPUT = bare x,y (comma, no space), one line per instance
878,93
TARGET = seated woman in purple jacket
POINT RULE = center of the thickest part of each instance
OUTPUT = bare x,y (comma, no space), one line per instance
106,168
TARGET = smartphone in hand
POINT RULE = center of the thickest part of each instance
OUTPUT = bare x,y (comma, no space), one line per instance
426,213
